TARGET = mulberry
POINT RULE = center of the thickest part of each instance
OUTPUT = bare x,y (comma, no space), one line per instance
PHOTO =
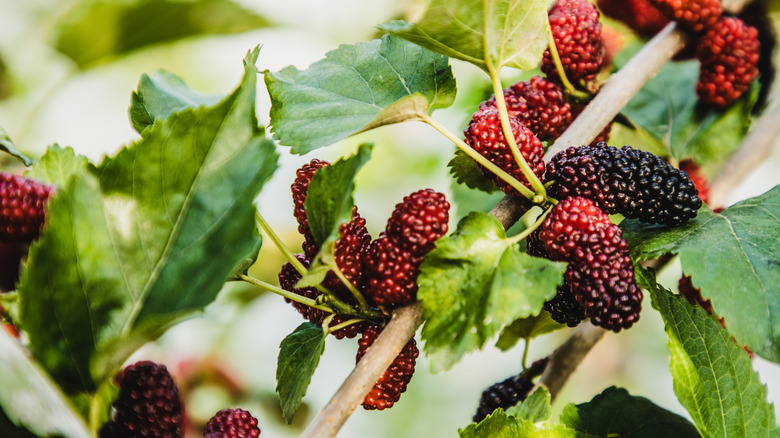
391,273
634,183
641,16
148,404
564,308
232,423
485,135
299,189
288,277
697,177
388,389
577,34
503,395
695,15
22,202
418,221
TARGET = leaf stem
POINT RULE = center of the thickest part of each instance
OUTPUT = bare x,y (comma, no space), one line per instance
355,293
476,156
525,352
509,136
279,244
345,324
559,66
285,293
94,415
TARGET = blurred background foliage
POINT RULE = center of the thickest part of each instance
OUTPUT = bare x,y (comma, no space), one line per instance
67,68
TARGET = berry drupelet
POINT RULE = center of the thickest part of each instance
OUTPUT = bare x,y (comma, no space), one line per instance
577,34
22,202
388,389
148,404
485,135
232,423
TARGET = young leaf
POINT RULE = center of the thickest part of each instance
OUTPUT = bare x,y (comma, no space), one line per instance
500,425
7,146
162,94
30,399
475,282
299,355
526,328
355,88
733,257
493,33
713,377
147,241
667,108
536,408
615,412
127,26
57,166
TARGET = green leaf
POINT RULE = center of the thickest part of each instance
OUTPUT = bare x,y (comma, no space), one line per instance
147,241
488,34
536,408
733,257
527,328
500,425
667,109
475,282
161,95
616,413
299,355
7,146
57,166
466,171
31,399
713,377
125,26
356,88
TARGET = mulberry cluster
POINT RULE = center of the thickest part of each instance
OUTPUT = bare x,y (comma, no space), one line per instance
641,16
600,274
148,404
22,213
394,258
577,34
485,135
634,183
695,15
387,390
232,423
729,53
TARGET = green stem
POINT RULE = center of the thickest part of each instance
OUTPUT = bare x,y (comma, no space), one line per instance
559,66
94,415
529,174
344,324
279,244
525,352
476,156
355,293
531,229
285,293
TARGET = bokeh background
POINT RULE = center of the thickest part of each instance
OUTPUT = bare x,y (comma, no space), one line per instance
67,68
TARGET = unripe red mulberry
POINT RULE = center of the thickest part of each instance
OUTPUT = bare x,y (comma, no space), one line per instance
418,221
695,15
538,104
299,189
729,54
577,34
232,423
639,15
22,202
391,273
485,135
148,404
388,389
697,177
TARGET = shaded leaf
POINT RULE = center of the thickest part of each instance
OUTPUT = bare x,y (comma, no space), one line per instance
466,171
146,239
161,95
299,355
355,88
713,377
501,425
527,328
7,146
536,408
733,257
106,29
475,282
667,109
615,412
488,34
57,166
31,399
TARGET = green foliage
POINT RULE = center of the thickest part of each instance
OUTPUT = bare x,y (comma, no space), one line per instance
733,257
121,258
489,34
527,328
616,413
7,146
475,282
501,425
161,95
30,399
125,26
466,171
299,355
713,377
57,166
357,88
667,109
536,408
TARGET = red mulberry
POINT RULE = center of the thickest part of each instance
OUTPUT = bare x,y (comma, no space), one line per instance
22,202
388,389
391,273
639,15
695,15
418,220
577,34
232,423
